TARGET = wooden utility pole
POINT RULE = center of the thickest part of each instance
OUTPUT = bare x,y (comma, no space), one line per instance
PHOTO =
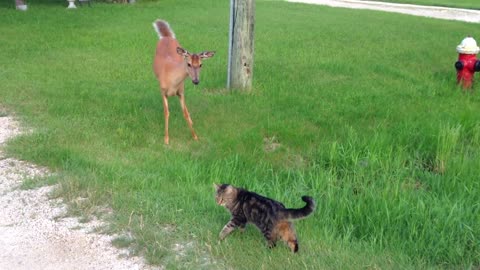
240,50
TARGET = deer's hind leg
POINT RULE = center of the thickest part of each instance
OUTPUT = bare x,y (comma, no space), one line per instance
166,113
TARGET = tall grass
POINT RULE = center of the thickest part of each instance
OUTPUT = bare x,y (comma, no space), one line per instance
358,109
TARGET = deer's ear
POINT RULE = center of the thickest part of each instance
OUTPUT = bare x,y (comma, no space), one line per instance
182,52
208,54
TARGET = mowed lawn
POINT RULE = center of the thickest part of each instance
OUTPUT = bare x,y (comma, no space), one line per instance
359,109
469,4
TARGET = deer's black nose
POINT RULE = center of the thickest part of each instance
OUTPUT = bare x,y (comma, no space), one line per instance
195,82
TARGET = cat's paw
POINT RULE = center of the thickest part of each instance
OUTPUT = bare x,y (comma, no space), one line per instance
271,244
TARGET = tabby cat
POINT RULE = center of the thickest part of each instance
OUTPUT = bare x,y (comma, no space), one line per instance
270,216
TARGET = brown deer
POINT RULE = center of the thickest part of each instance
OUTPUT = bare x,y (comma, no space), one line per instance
172,65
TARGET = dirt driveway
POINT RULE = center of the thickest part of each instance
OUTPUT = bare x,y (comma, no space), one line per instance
458,14
33,231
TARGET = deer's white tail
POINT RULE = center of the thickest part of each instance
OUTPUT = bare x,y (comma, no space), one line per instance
163,29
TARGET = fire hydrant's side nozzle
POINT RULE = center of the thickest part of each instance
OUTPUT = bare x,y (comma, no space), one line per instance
477,66
459,65
467,63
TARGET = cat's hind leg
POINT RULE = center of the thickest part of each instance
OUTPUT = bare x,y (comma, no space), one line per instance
270,235
272,240
286,231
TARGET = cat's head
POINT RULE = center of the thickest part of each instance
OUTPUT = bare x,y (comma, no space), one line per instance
225,194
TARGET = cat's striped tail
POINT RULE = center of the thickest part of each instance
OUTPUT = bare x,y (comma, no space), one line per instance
301,212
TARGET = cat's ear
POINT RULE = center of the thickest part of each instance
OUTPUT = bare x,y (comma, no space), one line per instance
229,189
216,186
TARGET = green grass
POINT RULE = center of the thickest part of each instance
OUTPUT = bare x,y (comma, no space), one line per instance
364,111
470,4
35,182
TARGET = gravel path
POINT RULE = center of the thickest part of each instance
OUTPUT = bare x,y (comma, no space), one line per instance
458,14
33,234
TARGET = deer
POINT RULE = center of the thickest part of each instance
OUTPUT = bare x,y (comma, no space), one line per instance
172,64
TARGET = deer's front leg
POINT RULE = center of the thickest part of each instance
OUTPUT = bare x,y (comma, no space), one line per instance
186,114
166,113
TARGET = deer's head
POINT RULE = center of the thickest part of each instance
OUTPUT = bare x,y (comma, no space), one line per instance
194,62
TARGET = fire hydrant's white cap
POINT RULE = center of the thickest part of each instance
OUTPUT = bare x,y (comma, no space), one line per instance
468,46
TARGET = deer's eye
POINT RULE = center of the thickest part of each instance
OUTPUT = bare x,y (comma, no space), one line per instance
189,65
200,65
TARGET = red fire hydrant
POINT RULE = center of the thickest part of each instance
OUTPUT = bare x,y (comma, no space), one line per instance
467,62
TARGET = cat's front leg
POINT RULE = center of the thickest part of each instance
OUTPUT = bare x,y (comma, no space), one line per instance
227,229
242,226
